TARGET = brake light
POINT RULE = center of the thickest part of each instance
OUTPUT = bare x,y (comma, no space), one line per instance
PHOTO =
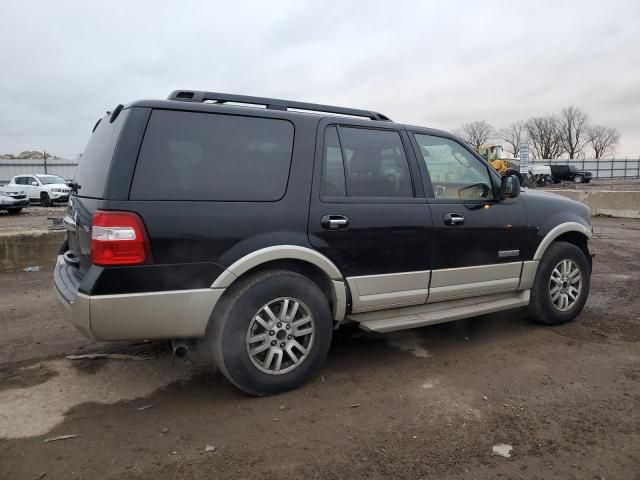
118,238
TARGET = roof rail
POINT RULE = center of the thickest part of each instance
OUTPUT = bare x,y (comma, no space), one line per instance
271,103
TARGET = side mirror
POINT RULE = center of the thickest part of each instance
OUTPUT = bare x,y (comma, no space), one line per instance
35,184
509,187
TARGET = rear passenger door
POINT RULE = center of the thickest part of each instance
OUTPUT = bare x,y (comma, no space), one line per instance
368,213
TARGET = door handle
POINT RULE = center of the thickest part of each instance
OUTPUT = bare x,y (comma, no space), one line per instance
453,219
334,222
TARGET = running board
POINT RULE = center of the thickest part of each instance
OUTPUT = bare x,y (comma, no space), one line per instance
432,313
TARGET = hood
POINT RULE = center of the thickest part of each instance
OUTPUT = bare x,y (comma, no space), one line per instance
546,207
58,185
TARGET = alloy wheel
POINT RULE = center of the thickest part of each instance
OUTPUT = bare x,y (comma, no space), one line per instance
280,336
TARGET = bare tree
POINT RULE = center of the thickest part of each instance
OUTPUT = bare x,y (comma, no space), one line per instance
475,133
603,140
545,136
513,135
574,124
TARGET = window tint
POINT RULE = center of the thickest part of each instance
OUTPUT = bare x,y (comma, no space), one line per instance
21,180
205,156
373,163
333,183
94,165
454,172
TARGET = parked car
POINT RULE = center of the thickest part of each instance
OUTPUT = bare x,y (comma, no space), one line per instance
255,232
570,173
46,189
12,200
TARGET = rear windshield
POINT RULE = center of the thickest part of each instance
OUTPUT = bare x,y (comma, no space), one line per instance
94,164
206,156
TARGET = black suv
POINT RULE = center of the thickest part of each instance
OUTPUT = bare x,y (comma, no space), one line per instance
570,173
258,231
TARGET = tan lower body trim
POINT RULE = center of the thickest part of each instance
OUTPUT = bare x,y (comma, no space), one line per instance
376,292
339,300
529,270
452,283
153,315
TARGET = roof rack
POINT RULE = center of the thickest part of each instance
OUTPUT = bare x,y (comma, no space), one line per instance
271,103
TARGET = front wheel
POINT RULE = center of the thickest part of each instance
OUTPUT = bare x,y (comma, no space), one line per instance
271,332
561,286
14,211
517,174
578,179
45,200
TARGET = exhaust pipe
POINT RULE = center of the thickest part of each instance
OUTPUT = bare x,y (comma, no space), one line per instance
180,348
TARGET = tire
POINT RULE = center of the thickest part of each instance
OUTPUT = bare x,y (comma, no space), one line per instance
517,174
578,178
541,306
14,211
229,331
45,200
542,181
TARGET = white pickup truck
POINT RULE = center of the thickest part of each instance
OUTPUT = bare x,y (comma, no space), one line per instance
46,189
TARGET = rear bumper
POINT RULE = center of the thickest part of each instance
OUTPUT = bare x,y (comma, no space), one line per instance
134,316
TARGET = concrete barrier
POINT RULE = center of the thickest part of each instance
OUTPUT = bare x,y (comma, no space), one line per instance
616,203
34,248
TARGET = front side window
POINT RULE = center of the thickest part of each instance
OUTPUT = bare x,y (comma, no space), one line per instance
455,173
360,162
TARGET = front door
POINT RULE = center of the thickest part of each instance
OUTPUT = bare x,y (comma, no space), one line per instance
369,215
479,241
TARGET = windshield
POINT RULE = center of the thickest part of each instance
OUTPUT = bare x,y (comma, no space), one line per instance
49,179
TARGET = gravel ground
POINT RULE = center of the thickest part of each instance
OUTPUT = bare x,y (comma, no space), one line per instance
31,218
426,403
596,184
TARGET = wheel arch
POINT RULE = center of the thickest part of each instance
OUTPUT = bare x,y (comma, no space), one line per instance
571,232
302,260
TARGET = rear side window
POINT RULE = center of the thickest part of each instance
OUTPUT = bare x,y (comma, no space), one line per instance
94,165
361,162
206,156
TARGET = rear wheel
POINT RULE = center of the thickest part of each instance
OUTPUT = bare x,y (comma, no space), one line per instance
45,200
271,333
561,285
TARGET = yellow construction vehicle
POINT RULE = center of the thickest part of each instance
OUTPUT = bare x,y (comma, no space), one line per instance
493,155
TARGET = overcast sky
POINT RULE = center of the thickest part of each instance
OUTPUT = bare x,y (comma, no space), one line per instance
436,64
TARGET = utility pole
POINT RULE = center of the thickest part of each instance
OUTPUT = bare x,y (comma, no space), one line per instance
44,155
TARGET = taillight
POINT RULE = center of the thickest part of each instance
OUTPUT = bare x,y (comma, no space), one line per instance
118,238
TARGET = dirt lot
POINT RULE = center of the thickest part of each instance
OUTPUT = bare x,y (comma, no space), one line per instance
31,218
428,403
599,184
